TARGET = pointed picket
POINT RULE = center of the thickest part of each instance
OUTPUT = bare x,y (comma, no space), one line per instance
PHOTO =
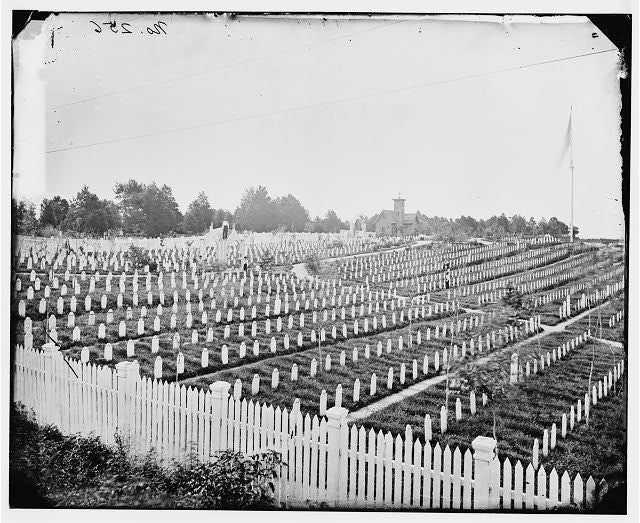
322,461
397,472
361,459
467,484
284,450
406,467
249,422
306,446
257,423
541,494
494,485
237,424
518,488
506,484
565,490
298,449
244,425
230,417
351,457
590,492
457,477
201,425
530,488
437,476
553,489
416,471
371,465
380,451
388,469
313,480
427,477
578,491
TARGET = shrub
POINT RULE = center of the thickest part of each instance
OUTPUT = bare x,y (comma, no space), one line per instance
47,469
230,481
139,258
266,262
312,264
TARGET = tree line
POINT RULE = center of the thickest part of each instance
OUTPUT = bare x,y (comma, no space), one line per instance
466,227
151,210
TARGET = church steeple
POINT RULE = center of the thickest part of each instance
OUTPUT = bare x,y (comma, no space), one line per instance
398,209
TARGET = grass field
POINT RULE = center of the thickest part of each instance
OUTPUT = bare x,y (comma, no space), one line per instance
537,403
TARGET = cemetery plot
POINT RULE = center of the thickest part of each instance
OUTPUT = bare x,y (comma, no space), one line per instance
356,372
263,249
607,322
536,403
432,274
219,346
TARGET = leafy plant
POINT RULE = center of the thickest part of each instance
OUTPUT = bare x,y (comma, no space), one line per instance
488,378
48,468
312,264
230,480
139,258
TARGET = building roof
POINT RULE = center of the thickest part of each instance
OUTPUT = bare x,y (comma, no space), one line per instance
385,214
409,218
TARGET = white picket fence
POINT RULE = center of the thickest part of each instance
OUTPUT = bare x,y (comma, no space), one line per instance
326,461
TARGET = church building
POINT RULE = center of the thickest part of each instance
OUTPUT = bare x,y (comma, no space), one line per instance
397,222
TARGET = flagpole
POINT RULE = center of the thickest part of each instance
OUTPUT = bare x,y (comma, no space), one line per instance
571,164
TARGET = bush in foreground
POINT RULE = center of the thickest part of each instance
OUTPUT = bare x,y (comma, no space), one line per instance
49,469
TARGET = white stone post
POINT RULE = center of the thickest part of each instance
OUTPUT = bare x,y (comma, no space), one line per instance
483,454
219,402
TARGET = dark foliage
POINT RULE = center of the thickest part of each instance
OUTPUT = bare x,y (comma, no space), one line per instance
48,469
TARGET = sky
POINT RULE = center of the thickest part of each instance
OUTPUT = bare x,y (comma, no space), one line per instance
458,115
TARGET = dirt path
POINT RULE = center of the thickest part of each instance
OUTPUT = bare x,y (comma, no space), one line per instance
430,382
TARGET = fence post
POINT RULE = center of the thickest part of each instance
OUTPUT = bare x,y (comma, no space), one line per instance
50,353
336,418
219,401
127,372
483,454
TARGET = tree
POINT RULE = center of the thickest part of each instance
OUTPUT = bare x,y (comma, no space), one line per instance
514,304
147,209
161,210
575,231
257,211
332,223
518,225
130,198
24,217
199,215
291,213
556,228
53,212
89,214
542,227
467,225
490,378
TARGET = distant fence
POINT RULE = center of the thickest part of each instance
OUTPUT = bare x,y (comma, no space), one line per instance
326,461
